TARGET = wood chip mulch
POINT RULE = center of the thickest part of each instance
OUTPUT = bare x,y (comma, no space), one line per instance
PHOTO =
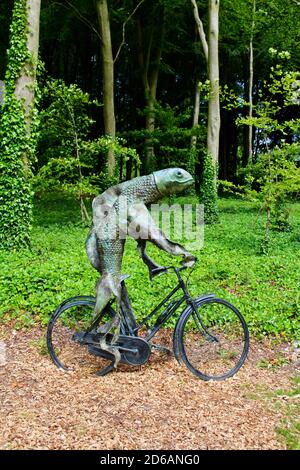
160,405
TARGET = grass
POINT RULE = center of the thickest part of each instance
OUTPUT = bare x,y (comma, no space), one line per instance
231,264
290,427
288,403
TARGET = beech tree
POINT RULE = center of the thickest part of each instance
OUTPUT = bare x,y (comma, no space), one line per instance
204,44
108,79
25,82
214,119
211,53
150,29
210,46
18,123
251,77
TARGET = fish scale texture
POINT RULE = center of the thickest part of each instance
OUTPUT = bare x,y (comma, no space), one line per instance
109,243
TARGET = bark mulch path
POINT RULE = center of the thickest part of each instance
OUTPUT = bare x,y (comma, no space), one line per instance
158,406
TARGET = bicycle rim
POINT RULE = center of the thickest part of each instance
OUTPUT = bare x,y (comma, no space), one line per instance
213,343
65,329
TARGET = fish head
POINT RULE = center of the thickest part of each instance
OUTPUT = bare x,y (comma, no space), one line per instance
172,180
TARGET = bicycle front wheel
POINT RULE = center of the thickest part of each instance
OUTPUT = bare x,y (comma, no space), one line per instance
212,340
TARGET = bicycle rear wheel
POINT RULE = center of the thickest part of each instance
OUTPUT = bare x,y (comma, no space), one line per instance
213,342
65,332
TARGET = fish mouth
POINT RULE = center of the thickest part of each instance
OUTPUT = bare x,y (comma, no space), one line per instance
190,180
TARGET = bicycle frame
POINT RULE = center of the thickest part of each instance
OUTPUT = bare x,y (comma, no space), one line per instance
168,311
166,314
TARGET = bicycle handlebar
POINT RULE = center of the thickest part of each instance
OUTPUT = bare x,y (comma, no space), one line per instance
165,269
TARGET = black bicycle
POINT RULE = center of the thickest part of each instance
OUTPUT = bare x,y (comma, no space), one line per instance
210,337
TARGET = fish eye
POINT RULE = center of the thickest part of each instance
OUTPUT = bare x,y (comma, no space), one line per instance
179,174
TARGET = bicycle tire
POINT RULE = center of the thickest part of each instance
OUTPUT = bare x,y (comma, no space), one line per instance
184,335
64,309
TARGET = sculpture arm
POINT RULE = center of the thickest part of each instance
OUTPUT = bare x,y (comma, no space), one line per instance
144,229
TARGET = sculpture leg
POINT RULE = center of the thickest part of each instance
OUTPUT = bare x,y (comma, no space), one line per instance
108,287
127,308
145,258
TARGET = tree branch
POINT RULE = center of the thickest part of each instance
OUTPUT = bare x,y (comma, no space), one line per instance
79,15
200,29
124,30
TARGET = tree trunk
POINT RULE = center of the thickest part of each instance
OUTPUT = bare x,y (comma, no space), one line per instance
193,164
214,119
251,75
150,118
196,115
204,44
149,56
108,79
211,53
228,146
200,29
25,83
17,144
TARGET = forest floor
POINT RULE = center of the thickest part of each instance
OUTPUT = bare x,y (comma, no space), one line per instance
160,405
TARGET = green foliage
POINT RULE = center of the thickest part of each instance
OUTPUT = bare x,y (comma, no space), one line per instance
291,434
66,112
274,176
171,138
279,180
17,145
208,190
265,289
275,24
18,53
69,161
5,20
15,187
65,123
227,188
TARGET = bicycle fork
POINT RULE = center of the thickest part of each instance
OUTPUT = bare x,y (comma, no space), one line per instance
199,323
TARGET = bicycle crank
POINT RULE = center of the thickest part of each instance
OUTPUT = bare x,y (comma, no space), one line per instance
134,351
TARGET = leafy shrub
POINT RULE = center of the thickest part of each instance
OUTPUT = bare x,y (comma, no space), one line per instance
208,190
69,162
273,175
171,138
